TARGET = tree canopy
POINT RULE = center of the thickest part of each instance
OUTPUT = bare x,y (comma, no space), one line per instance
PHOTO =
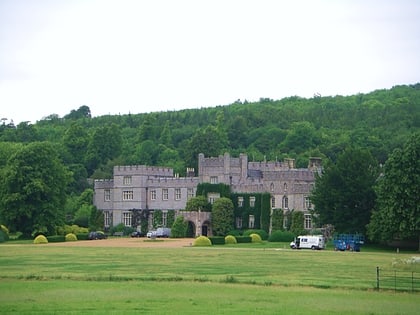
33,189
294,127
397,214
222,216
344,194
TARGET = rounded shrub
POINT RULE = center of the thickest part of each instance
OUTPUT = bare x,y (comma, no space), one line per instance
263,234
256,238
71,237
202,241
230,239
40,239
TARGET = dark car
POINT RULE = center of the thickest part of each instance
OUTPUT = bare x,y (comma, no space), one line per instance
97,235
137,234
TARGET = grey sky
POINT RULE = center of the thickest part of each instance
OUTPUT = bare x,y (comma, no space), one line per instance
142,56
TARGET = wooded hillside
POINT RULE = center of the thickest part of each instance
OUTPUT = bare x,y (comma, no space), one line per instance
269,129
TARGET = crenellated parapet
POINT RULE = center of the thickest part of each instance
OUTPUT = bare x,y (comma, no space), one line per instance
172,181
104,183
143,170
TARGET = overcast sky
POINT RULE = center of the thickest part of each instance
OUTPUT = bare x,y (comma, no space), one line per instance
120,57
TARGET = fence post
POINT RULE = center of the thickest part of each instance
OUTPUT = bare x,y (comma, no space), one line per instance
377,278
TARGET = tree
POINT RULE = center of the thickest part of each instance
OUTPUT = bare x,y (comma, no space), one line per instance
210,141
33,189
179,228
76,140
222,216
397,215
301,137
106,144
82,112
198,203
344,194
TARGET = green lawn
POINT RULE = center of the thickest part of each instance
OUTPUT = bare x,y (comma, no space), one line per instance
255,279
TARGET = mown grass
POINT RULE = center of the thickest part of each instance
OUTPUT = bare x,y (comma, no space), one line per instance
263,279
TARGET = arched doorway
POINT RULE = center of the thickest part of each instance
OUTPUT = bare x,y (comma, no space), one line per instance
190,229
206,228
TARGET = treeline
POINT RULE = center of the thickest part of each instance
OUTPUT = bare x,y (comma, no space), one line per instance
295,127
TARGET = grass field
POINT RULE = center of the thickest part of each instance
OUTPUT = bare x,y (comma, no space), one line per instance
246,279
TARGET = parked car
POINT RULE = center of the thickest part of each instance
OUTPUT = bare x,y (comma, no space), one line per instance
137,234
160,232
97,235
151,234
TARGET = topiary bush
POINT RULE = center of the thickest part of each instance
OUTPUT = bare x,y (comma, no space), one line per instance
230,239
40,239
202,241
71,237
281,236
256,238
263,234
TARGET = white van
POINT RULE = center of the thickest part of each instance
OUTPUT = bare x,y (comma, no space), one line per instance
308,241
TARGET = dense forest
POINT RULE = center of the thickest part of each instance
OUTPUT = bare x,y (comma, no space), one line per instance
294,127
269,129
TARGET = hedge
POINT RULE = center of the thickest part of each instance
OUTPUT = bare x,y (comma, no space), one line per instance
82,236
56,238
217,240
281,236
244,239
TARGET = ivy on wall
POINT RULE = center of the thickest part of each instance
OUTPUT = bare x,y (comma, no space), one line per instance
170,218
204,188
277,219
260,210
157,218
140,217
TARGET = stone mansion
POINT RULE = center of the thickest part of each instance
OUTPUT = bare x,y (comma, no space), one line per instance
158,188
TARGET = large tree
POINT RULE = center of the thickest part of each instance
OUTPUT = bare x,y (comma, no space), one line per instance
209,140
33,189
222,216
344,193
397,214
198,203
105,145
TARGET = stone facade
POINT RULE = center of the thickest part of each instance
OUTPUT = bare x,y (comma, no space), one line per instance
157,188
